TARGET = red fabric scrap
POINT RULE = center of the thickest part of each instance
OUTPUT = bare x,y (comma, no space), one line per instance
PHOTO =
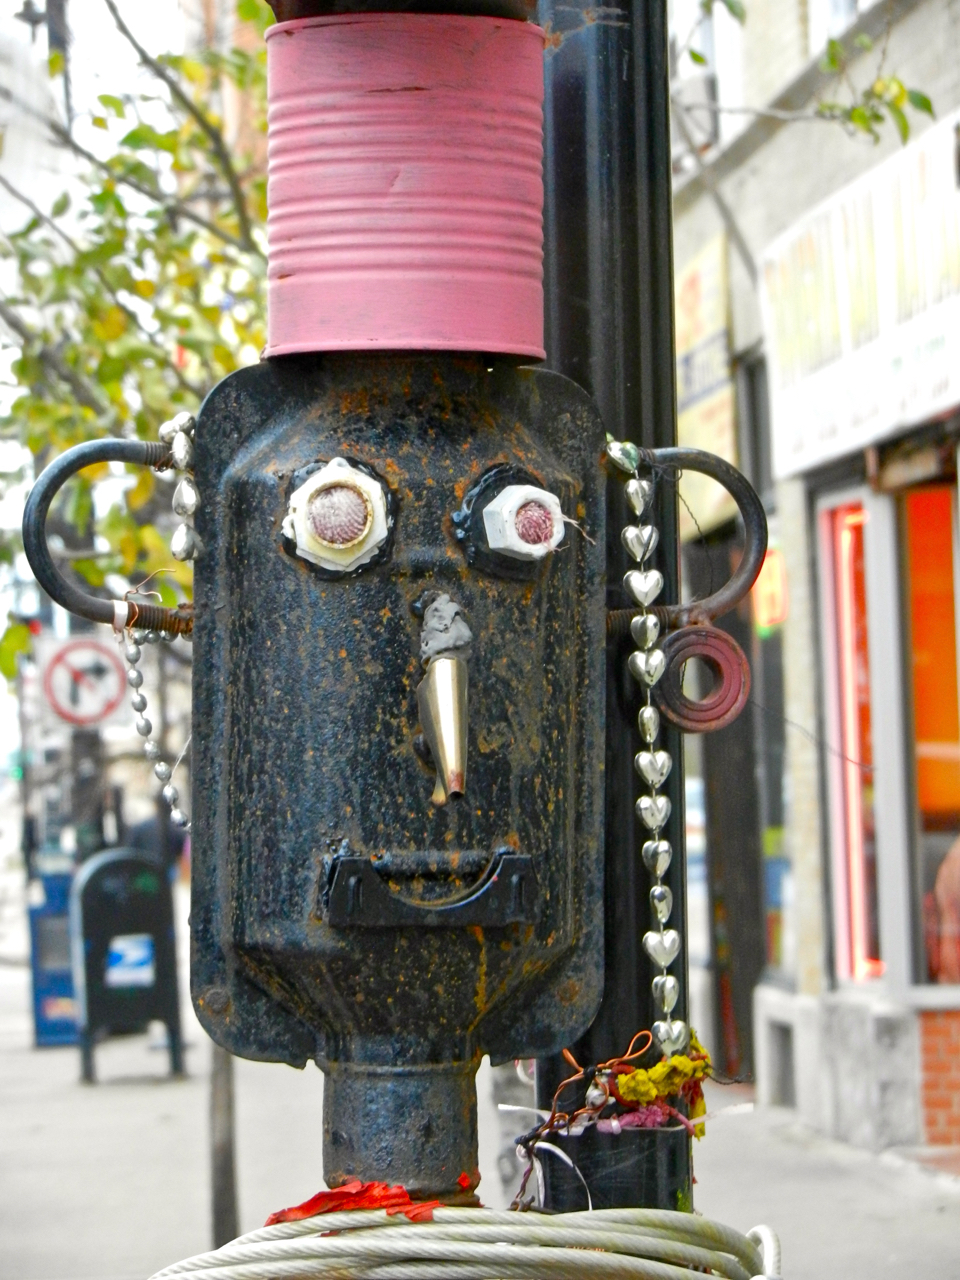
359,1195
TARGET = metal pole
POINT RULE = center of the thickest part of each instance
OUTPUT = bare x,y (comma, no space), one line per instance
223,1175
609,309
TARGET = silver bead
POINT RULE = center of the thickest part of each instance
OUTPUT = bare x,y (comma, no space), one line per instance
185,497
138,702
653,766
649,722
657,856
643,585
640,542
182,421
645,629
151,750
134,678
152,637
182,450
132,653
653,811
172,795
144,727
137,635
672,1035
647,667
662,946
639,493
666,991
623,454
162,771
178,818
661,900
184,545
167,637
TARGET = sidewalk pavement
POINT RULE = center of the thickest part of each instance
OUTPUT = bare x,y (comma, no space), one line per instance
841,1213
110,1182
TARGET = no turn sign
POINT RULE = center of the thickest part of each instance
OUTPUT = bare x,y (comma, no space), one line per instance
83,681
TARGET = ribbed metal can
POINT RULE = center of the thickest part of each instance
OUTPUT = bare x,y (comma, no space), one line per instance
405,184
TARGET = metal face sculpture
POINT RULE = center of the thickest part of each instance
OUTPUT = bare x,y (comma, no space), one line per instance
398,778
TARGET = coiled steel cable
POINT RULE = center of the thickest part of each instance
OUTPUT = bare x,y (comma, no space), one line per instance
482,1244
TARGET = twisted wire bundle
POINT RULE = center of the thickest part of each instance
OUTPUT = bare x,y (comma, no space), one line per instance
481,1244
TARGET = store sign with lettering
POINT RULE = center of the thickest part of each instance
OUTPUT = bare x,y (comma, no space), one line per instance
861,308
705,398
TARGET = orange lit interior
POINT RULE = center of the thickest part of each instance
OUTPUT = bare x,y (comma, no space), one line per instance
929,538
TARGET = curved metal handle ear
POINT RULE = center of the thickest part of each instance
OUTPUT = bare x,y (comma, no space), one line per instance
118,613
751,509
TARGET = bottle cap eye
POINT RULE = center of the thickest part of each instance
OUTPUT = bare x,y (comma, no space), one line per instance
534,524
523,522
338,517
339,514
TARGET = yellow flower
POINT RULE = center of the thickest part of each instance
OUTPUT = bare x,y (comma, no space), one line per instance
667,1078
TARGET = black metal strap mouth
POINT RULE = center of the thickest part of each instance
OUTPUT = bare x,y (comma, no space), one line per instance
359,897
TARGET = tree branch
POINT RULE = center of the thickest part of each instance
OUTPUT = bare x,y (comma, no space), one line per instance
707,178
83,391
185,384
207,125
60,135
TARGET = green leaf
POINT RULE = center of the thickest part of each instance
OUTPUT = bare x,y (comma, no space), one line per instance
900,120
91,570
60,205
735,9
99,122
113,104
15,640
145,136
863,41
920,102
698,58
835,57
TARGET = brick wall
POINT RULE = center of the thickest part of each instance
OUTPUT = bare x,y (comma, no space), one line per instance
940,1076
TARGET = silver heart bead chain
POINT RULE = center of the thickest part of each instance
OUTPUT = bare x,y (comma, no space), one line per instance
647,664
178,433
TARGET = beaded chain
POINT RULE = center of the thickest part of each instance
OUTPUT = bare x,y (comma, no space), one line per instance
647,665
178,433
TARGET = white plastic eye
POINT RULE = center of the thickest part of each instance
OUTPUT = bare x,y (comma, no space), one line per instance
338,517
523,522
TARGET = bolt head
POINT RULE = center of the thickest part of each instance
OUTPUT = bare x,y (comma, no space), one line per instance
523,522
338,518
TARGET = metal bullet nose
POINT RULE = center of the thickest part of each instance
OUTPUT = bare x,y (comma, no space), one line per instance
442,703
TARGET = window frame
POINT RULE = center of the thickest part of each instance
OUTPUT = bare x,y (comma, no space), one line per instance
891,762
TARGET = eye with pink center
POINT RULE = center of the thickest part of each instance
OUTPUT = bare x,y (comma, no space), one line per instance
534,524
339,515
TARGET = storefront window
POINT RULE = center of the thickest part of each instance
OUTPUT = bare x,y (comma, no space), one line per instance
856,898
929,544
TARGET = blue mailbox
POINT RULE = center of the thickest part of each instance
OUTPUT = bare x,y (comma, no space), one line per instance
123,951
54,1006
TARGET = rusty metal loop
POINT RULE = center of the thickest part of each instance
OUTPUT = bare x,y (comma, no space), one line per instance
143,453
731,671
754,542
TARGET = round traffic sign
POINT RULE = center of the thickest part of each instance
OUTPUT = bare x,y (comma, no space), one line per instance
84,681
